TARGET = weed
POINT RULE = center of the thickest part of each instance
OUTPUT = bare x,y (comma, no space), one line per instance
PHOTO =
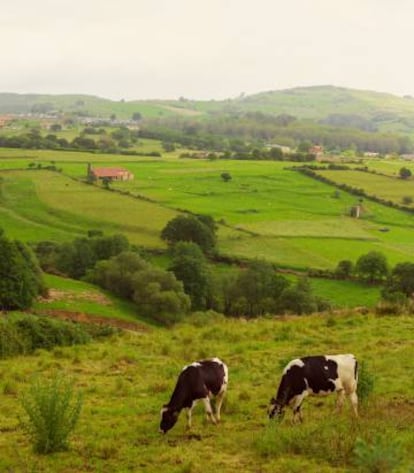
53,411
366,382
382,455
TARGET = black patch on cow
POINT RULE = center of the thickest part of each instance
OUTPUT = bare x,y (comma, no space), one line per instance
292,384
316,373
196,381
319,373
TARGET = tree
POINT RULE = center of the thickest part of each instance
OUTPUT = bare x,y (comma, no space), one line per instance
190,266
226,176
255,291
372,266
136,116
299,299
190,228
405,173
75,258
168,147
304,146
20,276
276,153
344,269
401,279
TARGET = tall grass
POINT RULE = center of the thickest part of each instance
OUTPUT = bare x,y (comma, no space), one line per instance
52,410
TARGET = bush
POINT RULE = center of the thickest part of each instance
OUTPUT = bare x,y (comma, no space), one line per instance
20,276
53,410
26,333
366,382
382,455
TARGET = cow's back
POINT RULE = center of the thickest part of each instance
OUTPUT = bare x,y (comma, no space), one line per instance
347,371
214,374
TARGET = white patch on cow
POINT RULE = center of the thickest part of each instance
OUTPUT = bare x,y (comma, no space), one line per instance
195,364
217,360
346,372
296,362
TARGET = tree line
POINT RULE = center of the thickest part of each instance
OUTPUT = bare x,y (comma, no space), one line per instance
226,131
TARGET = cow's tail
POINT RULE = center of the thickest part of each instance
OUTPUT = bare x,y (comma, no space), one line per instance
356,371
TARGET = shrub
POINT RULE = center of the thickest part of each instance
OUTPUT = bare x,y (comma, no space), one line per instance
25,333
382,455
366,382
53,410
20,275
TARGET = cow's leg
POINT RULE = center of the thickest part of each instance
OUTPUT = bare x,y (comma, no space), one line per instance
297,414
209,410
340,400
354,401
189,414
219,402
296,405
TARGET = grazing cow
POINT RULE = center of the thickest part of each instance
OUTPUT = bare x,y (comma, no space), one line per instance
318,376
200,380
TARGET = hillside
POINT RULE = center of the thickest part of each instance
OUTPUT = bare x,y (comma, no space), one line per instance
332,105
126,379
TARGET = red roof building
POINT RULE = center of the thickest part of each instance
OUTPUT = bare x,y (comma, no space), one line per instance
115,174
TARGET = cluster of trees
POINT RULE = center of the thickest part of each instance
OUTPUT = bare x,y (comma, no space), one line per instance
90,139
222,132
112,263
75,258
249,292
156,293
373,268
20,275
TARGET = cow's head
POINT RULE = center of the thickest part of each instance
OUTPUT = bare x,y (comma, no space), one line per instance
168,419
275,410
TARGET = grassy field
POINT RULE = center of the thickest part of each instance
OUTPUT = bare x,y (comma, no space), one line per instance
266,210
45,205
389,188
124,382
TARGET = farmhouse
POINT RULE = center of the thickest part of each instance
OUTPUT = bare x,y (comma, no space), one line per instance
114,174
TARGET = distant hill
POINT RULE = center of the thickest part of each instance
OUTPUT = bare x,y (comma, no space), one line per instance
83,105
337,106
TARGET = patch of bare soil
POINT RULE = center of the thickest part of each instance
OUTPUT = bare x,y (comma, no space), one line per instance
58,295
93,319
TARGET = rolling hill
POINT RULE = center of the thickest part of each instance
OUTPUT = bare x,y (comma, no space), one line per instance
337,106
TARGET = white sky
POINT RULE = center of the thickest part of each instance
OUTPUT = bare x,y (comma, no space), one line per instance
203,49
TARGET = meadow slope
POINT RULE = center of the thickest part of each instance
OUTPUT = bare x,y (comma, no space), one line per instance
125,380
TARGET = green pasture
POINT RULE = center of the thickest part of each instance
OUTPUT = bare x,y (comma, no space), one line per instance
389,166
48,204
125,380
345,293
70,295
389,188
266,210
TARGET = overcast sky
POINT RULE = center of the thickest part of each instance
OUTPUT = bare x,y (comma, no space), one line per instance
204,49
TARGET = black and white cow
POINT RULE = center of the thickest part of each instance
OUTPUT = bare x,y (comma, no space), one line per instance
200,380
317,376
